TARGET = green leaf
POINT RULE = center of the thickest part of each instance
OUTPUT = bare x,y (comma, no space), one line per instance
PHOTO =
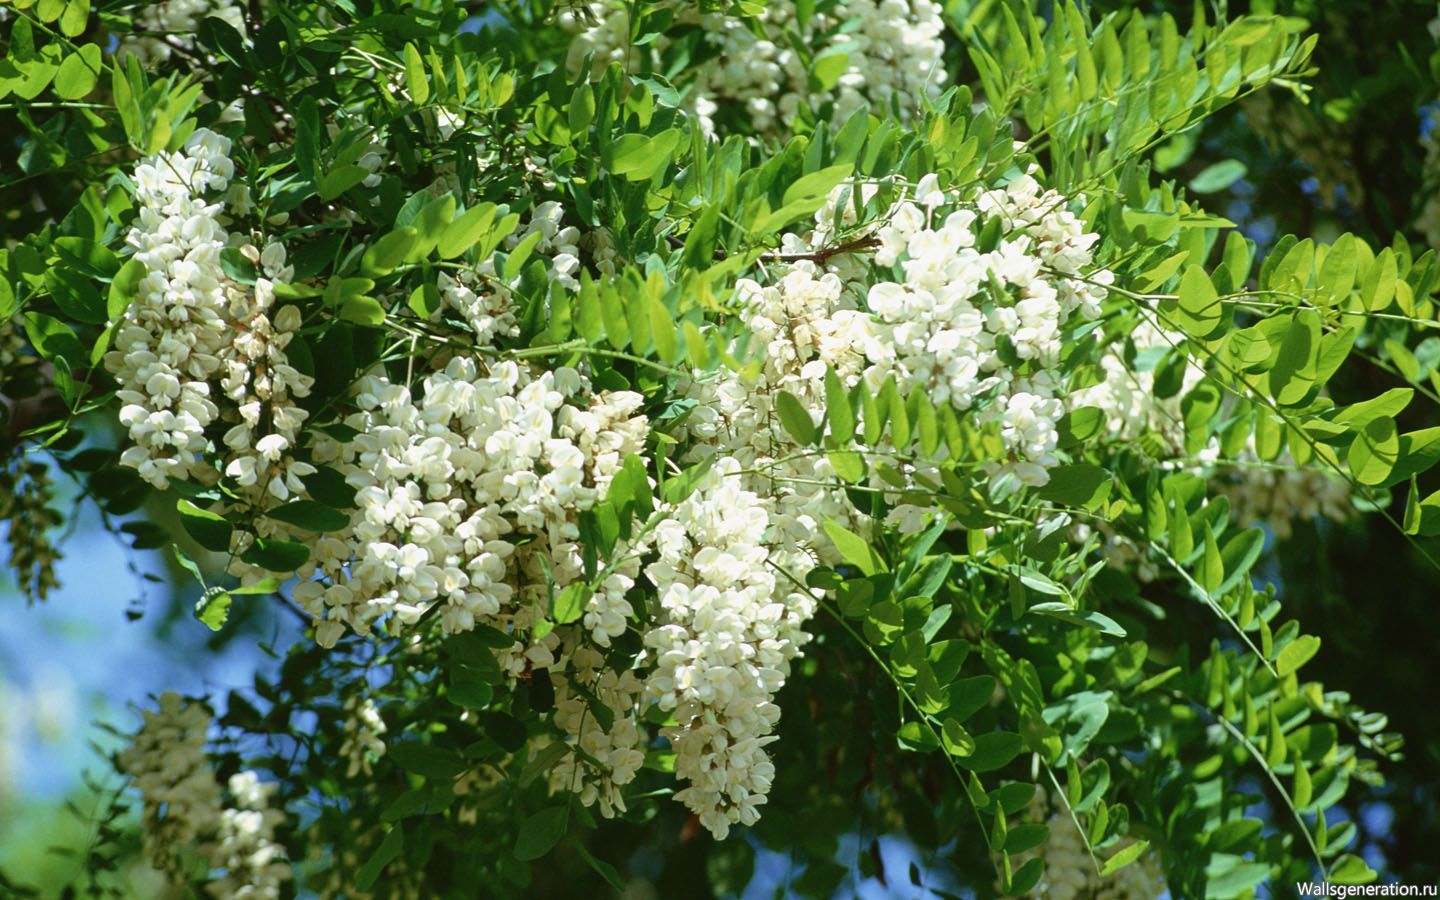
1351,869
1088,618
1025,837
78,73
76,295
382,257
339,180
968,696
838,411
639,158
1337,272
75,18
213,608
1374,451
1391,403
581,111
993,750
277,556
816,184
427,760
955,739
310,515
1078,484
570,603
1124,857
123,288
825,72
1211,571
795,418
416,82
1027,876
1199,311
53,338
209,530
854,549
362,311
1377,288
541,832
1296,654
389,848
848,465
466,231
1218,176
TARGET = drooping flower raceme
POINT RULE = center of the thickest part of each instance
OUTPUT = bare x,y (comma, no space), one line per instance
729,628
255,865
448,482
197,348
162,27
184,809
888,54
167,761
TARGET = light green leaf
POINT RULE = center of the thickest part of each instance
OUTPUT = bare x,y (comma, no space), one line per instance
854,549
78,73
415,79
213,608
1218,176
1124,857
1296,654
639,158
838,411
1199,311
1374,451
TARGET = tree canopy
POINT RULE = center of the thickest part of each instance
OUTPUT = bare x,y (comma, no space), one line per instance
684,431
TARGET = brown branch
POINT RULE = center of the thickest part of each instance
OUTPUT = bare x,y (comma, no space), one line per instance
821,256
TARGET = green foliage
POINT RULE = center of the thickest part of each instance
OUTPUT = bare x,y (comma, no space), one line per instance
1007,641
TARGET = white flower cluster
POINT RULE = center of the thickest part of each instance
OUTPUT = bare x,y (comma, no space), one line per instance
162,27
1428,220
168,764
976,329
245,847
867,54
794,321
363,730
449,483
1126,397
1282,493
257,378
193,334
617,748
167,345
183,806
728,629
1070,872
487,302
968,324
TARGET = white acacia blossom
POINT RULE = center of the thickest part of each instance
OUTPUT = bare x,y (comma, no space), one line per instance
1070,871
888,54
618,746
161,28
194,337
166,761
363,735
448,482
729,628
183,806
255,865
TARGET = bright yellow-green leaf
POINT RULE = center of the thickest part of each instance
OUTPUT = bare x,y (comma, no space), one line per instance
1374,451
